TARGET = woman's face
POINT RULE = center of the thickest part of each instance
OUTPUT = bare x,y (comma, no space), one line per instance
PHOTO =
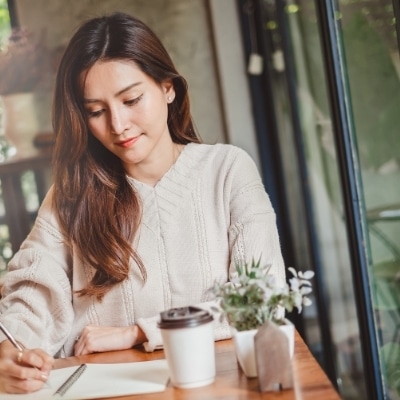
127,111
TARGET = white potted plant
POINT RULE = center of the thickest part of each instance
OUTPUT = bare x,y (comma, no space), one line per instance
253,297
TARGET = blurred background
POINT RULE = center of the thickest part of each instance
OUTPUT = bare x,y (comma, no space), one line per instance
311,90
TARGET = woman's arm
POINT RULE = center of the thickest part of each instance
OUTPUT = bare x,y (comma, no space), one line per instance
253,232
36,305
108,338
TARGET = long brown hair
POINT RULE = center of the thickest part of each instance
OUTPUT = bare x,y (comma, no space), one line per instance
98,210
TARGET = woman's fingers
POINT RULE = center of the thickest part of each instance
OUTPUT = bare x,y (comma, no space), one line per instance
19,356
23,371
15,378
13,385
37,358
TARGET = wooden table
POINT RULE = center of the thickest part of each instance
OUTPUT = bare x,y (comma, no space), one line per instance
17,217
310,381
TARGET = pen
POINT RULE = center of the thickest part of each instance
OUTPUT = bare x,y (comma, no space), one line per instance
10,337
13,341
71,380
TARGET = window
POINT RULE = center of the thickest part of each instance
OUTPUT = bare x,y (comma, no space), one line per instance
5,20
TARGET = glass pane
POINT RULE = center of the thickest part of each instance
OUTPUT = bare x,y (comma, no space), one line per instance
5,25
326,196
373,68
323,182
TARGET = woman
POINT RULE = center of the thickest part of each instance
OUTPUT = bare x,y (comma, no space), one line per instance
142,217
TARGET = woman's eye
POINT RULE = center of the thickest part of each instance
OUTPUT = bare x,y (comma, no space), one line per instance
134,101
94,114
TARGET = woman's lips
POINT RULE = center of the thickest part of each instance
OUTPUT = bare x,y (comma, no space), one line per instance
128,142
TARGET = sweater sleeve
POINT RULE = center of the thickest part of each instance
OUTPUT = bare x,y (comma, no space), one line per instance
36,304
253,232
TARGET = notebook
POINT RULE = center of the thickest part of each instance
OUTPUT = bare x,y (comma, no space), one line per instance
93,381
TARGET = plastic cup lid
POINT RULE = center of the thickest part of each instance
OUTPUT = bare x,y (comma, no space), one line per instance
184,317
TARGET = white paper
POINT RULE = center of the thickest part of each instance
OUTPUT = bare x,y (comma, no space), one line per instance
104,380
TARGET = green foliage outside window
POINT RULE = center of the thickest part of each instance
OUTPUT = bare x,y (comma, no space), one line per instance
5,24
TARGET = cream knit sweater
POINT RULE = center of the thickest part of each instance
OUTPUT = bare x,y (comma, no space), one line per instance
207,212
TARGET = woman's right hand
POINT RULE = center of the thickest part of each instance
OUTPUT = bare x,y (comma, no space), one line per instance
23,372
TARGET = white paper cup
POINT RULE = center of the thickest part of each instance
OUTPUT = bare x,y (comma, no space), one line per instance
188,340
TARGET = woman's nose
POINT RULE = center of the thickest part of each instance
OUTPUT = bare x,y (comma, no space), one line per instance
119,122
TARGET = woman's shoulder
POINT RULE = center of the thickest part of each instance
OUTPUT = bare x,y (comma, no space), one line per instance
46,210
212,161
218,153
48,200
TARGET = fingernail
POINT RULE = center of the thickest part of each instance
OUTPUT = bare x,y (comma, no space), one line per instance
45,376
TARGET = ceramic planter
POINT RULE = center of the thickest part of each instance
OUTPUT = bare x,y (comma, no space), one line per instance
288,329
244,347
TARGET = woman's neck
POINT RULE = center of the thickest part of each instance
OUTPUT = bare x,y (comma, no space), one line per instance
151,173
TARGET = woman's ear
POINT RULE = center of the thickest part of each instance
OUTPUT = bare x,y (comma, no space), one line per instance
169,90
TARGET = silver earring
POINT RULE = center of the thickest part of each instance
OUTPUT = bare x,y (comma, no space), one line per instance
169,98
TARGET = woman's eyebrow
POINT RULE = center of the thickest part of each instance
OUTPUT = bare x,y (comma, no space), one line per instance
125,89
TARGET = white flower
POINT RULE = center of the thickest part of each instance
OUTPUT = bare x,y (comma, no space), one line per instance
294,283
305,290
306,275
306,301
298,300
268,293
